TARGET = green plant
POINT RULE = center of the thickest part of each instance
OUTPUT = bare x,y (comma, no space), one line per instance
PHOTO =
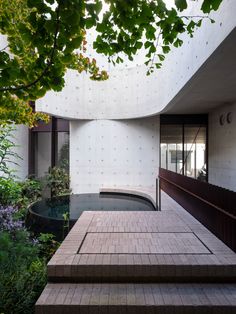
19,194
31,189
7,154
66,224
22,264
22,259
63,161
58,181
22,273
47,245
10,192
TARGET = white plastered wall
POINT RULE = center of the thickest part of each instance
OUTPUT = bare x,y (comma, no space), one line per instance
108,153
222,148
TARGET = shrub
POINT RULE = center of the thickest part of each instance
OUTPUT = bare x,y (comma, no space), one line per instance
22,263
22,259
58,181
31,189
22,273
10,192
47,245
7,221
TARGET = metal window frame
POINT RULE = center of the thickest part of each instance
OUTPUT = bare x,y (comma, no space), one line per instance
184,120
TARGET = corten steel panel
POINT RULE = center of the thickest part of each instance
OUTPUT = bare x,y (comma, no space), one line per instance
213,206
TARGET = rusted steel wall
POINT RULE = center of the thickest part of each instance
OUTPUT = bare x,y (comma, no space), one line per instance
213,206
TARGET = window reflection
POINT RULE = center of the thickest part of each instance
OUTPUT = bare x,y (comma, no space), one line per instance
62,156
183,149
194,152
171,147
49,147
42,151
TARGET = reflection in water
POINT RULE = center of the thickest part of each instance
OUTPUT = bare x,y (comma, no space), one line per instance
75,204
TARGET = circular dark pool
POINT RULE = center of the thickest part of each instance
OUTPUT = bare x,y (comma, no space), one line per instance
47,215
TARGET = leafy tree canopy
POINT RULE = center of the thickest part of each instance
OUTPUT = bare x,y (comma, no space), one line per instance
47,37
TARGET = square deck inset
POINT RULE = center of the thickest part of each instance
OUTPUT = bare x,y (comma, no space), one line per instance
142,243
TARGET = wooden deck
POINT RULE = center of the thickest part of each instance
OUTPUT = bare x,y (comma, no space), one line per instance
142,262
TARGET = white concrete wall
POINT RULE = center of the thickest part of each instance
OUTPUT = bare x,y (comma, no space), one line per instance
107,153
21,139
129,92
222,148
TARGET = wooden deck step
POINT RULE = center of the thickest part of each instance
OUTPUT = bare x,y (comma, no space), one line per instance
137,298
140,262
142,268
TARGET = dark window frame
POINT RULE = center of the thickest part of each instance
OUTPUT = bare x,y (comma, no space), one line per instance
54,126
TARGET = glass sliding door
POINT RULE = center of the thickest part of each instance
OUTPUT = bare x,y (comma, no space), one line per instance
171,147
183,148
42,153
195,151
190,136
49,147
201,155
62,154
164,155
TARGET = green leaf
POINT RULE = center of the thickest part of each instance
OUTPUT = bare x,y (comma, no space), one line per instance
209,5
161,57
98,6
76,42
150,32
138,45
190,27
178,43
181,4
199,23
147,44
67,58
152,49
90,22
34,3
50,26
50,1
158,65
165,49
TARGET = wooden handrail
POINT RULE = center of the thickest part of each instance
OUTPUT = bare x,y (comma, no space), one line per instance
199,197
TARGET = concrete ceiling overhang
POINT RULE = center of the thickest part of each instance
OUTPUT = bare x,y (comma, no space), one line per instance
194,78
212,85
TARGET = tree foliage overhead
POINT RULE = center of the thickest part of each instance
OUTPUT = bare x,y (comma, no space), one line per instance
47,37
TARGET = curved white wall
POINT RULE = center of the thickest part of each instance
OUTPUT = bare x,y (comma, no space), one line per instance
108,153
129,93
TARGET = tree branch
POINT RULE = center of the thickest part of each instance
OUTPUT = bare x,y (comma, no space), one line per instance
156,46
188,17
